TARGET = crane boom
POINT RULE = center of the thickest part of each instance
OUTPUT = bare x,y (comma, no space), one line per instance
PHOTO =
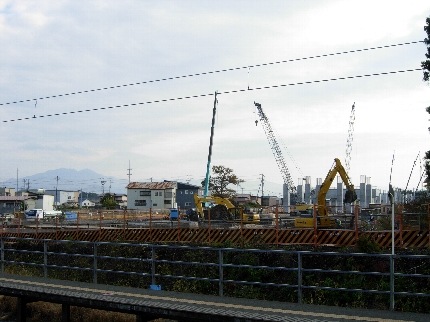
350,138
276,150
208,166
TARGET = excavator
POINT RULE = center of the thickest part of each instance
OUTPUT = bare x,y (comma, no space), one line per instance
323,218
221,209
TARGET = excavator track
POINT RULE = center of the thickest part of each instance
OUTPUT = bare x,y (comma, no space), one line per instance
218,212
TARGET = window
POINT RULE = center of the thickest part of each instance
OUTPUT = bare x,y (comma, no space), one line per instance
140,203
154,205
145,193
187,204
186,192
167,202
158,193
168,194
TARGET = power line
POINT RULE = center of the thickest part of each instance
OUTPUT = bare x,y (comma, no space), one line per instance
211,94
213,72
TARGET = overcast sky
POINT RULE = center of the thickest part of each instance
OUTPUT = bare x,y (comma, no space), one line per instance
52,48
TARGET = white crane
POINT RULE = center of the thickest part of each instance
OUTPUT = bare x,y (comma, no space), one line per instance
350,138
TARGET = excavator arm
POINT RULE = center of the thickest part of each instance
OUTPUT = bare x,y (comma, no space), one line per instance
350,195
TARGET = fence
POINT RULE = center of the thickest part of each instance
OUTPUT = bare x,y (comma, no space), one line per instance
395,282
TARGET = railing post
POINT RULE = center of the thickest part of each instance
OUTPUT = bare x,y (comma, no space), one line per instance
299,278
392,282
220,272
95,263
2,255
277,225
150,224
45,260
209,225
152,265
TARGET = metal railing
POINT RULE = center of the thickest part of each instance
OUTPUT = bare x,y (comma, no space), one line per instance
304,275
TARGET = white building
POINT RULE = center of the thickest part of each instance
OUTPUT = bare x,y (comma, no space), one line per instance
156,195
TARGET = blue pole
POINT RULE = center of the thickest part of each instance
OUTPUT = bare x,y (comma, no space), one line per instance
208,167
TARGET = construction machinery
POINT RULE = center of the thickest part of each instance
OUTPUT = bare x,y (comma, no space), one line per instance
323,218
216,207
277,152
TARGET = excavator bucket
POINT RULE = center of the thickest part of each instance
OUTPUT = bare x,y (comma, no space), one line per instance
350,196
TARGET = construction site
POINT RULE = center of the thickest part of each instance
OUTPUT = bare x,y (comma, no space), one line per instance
334,212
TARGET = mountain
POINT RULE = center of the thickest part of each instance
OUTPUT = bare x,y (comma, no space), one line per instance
69,179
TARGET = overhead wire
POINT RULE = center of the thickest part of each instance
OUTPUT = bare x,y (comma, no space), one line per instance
214,72
211,94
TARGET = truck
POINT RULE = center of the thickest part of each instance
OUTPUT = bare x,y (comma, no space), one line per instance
32,214
323,218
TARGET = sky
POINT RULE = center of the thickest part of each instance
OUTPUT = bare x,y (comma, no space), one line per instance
173,55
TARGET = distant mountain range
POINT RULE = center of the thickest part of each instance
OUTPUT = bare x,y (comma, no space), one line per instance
90,181
69,179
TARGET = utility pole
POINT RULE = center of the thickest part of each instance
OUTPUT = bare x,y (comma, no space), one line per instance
129,169
56,192
103,186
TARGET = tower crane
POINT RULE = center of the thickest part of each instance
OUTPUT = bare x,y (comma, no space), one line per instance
350,138
276,150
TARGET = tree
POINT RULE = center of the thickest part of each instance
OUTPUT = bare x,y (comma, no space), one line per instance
221,178
425,65
108,201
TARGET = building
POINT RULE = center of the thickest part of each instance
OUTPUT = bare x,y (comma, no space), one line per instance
11,204
155,195
242,199
7,191
67,197
121,200
87,203
185,195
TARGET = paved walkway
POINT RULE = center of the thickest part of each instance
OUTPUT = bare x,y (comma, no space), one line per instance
149,304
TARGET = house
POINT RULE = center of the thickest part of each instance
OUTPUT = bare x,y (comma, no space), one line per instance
7,191
242,199
185,195
87,203
155,195
270,201
121,200
10,204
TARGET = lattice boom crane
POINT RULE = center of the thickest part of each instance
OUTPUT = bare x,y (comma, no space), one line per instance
350,138
276,150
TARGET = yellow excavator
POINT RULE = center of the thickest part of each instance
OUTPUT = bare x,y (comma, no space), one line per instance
221,209
323,218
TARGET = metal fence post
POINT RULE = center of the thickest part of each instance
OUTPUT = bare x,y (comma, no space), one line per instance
2,255
220,272
299,278
391,282
95,263
152,265
45,260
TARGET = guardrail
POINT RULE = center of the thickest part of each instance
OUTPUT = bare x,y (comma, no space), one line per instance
293,276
